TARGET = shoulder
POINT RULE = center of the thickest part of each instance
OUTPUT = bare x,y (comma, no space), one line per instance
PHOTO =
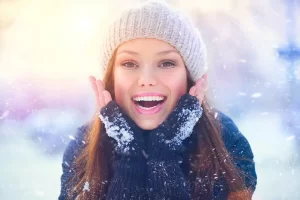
73,149
76,144
239,148
231,134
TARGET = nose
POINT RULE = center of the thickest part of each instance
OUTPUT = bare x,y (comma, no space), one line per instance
147,78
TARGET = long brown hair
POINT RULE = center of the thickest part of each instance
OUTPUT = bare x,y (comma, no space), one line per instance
210,160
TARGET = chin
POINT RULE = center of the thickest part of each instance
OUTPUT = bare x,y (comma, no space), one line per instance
148,124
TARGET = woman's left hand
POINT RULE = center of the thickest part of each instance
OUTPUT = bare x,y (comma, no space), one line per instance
200,88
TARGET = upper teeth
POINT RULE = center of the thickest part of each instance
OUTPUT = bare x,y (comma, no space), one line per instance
149,98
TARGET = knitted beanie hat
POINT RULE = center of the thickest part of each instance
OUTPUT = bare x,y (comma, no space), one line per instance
156,19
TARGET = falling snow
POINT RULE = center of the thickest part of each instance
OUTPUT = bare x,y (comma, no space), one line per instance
242,94
264,124
86,186
71,137
256,95
216,115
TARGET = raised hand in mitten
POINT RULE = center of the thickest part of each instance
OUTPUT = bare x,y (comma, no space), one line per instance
177,127
166,179
129,162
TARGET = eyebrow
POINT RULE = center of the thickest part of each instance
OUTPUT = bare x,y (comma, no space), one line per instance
167,52
159,53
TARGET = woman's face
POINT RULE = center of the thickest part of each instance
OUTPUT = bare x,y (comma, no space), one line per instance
149,78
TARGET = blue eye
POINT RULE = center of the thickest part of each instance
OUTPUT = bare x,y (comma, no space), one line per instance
129,65
167,64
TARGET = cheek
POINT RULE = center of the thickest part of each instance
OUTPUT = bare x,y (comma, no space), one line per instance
121,87
177,84
119,92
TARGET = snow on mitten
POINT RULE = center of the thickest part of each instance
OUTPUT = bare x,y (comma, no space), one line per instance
129,163
127,135
176,128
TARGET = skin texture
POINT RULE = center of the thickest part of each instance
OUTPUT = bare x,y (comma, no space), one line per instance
158,68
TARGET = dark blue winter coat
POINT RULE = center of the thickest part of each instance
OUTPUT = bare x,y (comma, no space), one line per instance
235,142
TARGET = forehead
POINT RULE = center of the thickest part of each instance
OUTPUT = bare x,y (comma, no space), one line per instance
146,45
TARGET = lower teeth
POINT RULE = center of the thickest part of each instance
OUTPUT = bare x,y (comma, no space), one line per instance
146,108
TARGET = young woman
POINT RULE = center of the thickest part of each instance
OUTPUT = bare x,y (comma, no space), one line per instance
155,136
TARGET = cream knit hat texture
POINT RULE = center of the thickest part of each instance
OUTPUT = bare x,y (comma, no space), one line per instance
158,20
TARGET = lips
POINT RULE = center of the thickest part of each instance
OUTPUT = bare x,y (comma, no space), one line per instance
148,103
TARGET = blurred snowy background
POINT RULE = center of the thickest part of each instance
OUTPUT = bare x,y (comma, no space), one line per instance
49,47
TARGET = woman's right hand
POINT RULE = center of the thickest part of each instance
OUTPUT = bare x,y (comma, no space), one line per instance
102,96
117,124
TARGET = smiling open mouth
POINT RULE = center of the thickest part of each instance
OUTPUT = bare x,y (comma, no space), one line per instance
149,102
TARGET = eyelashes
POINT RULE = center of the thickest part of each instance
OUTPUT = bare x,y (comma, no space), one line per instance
163,64
129,64
167,64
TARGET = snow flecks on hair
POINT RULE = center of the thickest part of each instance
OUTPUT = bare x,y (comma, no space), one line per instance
86,186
